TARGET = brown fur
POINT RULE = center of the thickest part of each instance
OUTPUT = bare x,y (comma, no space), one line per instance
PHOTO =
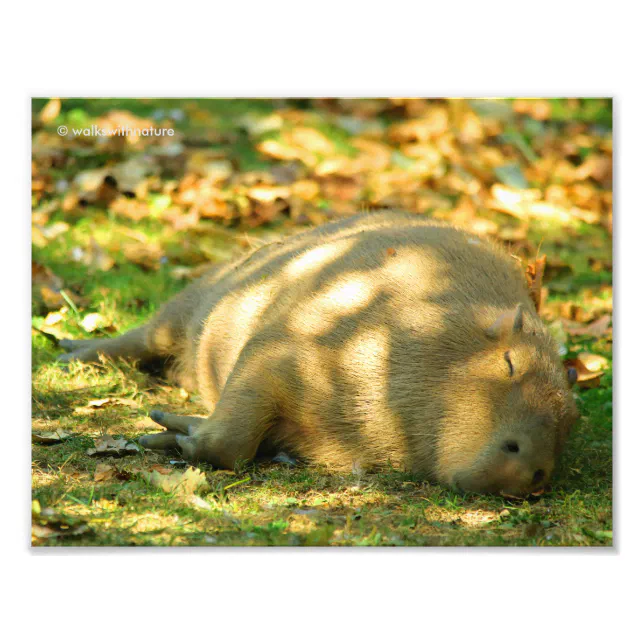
383,338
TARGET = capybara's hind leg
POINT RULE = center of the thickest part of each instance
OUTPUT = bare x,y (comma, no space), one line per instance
244,413
129,345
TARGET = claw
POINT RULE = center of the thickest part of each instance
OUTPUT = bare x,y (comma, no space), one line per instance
157,416
188,446
143,440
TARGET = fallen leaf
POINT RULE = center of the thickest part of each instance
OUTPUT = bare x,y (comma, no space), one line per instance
48,524
279,150
434,124
50,111
210,165
104,472
54,230
147,256
534,275
93,321
596,329
116,122
94,405
161,469
94,257
50,438
586,378
538,109
43,276
98,403
55,317
600,326
268,194
593,361
183,483
111,446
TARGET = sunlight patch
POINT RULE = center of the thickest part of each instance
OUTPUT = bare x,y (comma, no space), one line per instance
317,258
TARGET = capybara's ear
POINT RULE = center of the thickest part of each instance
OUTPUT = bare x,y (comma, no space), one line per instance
507,323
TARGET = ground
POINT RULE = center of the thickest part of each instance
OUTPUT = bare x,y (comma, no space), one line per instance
122,223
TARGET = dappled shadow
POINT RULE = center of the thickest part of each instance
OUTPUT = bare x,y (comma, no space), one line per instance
334,322
363,343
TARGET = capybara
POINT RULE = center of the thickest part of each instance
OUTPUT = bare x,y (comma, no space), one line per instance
384,338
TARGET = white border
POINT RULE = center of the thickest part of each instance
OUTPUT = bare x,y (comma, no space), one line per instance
300,49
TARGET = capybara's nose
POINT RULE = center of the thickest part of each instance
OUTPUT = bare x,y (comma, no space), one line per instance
538,477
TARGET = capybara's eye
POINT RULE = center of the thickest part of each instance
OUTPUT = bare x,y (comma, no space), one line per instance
506,355
511,446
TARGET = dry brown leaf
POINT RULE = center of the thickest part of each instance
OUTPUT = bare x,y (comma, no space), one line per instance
130,208
572,311
146,255
310,139
162,469
211,165
596,329
93,321
305,189
54,230
41,275
534,275
593,361
47,286
586,378
526,204
111,446
54,317
124,121
183,483
50,111
434,123
268,194
286,152
49,438
47,523
538,109
600,326
104,472
94,405
94,257
101,402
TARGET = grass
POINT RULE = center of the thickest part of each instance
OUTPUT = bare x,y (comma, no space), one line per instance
275,504
265,503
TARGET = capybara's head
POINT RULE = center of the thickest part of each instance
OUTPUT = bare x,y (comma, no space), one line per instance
510,413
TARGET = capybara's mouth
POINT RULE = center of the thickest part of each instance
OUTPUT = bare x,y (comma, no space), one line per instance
515,497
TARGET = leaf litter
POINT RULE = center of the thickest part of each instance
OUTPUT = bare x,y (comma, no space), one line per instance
514,171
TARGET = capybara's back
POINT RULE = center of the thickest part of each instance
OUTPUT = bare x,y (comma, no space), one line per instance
383,338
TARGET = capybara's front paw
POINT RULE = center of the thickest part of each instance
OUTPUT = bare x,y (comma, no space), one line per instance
177,428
